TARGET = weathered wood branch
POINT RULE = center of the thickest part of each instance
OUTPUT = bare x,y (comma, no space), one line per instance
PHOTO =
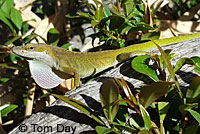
61,113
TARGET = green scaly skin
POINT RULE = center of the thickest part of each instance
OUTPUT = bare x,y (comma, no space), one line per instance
81,64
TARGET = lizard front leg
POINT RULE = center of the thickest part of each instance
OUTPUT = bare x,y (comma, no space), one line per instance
73,72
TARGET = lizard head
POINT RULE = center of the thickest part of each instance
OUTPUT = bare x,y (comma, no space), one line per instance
32,51
41,63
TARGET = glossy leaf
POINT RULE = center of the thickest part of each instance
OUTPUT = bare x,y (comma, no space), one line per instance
169,68
99,13
152,92
6,6
195,114
182,62
53,36
197,63
4,79
85,15
122,115
128,6
146,117
109,94
193,93
10,41
191,129
126,128
197,69
196,59
113,19
134,123
103,130
94,23
151,36
163,108
16,18
141,26
184,107
166,61
139,65
80,106
5,65
7,110
66,46
106,11
6,21
124,86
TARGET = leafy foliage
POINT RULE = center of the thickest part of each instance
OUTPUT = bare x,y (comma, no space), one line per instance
112,33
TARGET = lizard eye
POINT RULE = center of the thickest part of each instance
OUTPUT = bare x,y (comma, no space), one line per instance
31,48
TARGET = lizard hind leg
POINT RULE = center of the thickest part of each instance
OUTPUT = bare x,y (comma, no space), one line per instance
127,55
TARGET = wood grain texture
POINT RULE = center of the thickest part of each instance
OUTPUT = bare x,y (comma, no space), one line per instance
61,113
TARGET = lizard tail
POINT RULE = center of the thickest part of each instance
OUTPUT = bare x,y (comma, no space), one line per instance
130,51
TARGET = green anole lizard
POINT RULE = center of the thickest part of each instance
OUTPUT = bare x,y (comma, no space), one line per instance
50,65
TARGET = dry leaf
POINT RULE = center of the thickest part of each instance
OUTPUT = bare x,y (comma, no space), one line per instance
169,28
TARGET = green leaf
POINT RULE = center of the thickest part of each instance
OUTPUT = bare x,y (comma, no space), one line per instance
16,18
124,86
109,94
99,13
197,69
181,62
103,130
14,57
136,15
66,46
6,6
124,29
6,21
141,26
94,23
121,43
184,107
133,123
193,93
85,15
128,6
146,117
5,65
163,108
139,65
196,59
7,110
106,11
122,114
53,36
166,61
197,63
191,129
4,80
126,128
151,36
169,68
113,19
13,39
152,92
80,106
195,114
